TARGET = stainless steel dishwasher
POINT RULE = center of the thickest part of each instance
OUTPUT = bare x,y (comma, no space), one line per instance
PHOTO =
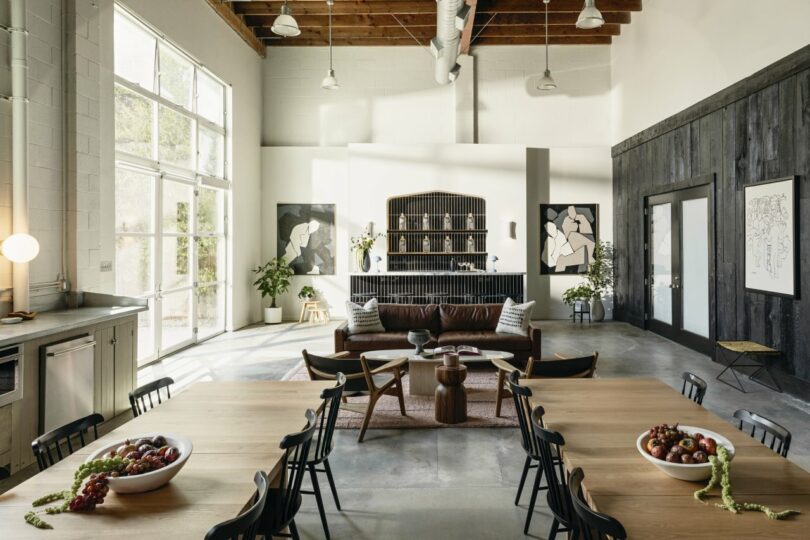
67,381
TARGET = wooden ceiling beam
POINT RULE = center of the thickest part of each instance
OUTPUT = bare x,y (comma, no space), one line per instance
301,41
238,25
427,32
467,33
427,19
398,7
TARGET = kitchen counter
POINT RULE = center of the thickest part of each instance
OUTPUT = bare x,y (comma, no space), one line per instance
93,309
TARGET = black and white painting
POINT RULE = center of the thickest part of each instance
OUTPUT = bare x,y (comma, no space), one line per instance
567,238
306,237
770,237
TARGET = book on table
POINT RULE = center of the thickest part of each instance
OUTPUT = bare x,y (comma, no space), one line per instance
461,350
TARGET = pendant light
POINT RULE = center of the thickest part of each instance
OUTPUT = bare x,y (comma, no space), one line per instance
547,82
590,17
330,82
285,24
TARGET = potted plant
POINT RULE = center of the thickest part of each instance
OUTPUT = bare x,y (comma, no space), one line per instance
306,293
580,293
600,277
361,245
274,280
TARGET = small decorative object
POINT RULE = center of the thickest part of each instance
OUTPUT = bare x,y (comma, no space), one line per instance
403,222
307,237
493,259
377,260
425,222
453,264
418,338
273,281
451,360
470,244
448,244
24,315
306,293
403,245
448,222
470,222
567,238
361,245
472,267
11,320
426,244
770,242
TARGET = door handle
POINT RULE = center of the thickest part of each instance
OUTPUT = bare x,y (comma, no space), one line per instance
73,349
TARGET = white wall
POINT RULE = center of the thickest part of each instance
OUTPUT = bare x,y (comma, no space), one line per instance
675,54
199,31
388,95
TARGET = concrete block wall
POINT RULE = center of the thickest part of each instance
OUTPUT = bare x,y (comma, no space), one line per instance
5,149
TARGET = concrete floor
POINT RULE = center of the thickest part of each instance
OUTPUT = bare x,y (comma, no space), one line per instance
458,483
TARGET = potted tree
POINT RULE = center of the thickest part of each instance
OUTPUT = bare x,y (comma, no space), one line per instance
273,281
600,277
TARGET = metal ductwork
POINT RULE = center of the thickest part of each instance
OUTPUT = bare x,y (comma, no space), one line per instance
450,15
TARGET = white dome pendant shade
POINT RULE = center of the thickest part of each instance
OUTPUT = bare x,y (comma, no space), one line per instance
590,17
547,82
20,248
285,25
330,82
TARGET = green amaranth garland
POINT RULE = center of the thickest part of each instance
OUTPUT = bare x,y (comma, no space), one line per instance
721,473
84,470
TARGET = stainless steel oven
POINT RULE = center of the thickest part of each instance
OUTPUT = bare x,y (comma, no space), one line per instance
11,373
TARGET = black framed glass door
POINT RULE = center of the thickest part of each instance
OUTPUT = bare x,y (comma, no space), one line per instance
678,253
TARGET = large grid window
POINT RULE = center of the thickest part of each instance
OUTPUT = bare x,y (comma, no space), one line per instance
171,188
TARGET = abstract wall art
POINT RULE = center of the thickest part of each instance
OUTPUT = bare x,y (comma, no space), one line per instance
567,238
306,237
770,237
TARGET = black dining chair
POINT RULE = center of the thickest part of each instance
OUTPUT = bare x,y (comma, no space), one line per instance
246,525
592,524
284,501
550,444
138,397
50,448
693,387
779,436
322,446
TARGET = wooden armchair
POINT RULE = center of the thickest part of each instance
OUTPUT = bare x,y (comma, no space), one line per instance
360,380
558,367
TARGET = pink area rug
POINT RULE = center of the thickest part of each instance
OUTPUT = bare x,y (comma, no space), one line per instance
481,387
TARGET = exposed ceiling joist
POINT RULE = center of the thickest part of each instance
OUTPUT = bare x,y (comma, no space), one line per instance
467,33
409,42
238,25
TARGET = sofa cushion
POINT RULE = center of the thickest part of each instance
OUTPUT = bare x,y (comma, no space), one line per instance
382,340
364,319
515,318
486,339
404,317
469,317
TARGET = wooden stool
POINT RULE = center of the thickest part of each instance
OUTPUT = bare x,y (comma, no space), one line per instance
451,396
306,306
318,315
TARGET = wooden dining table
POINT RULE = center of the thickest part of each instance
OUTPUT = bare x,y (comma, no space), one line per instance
601,420
235,427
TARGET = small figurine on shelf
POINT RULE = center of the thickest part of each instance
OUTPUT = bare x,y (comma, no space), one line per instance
403,245
448,222
470,222
470,244
448,244
403,222
425,222
426,244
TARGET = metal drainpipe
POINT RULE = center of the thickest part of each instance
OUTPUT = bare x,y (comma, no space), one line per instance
19,144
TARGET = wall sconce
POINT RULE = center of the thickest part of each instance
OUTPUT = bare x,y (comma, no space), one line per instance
370,228
20,248
509,229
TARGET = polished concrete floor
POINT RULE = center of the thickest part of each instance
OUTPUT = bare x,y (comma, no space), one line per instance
458,483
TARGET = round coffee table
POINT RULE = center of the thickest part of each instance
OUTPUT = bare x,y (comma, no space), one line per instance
451,396
421,370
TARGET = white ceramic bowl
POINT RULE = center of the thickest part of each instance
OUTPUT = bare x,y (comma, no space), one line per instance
694,472
151,480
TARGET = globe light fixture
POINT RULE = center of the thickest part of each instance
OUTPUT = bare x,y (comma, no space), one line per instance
20,248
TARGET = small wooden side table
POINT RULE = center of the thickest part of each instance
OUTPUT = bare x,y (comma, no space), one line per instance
749,348
306,306
451,396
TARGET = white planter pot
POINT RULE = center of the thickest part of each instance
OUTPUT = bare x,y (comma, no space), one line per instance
272,315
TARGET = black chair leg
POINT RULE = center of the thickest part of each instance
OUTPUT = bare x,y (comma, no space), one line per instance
555,525
293,530
317,489
535,489
331,482
523,479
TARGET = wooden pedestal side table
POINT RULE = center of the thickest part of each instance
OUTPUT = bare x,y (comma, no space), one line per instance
743,349
451,396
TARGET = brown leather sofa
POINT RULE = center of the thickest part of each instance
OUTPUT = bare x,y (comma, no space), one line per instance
449,324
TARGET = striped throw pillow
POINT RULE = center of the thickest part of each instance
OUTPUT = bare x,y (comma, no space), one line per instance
364,319
515,318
